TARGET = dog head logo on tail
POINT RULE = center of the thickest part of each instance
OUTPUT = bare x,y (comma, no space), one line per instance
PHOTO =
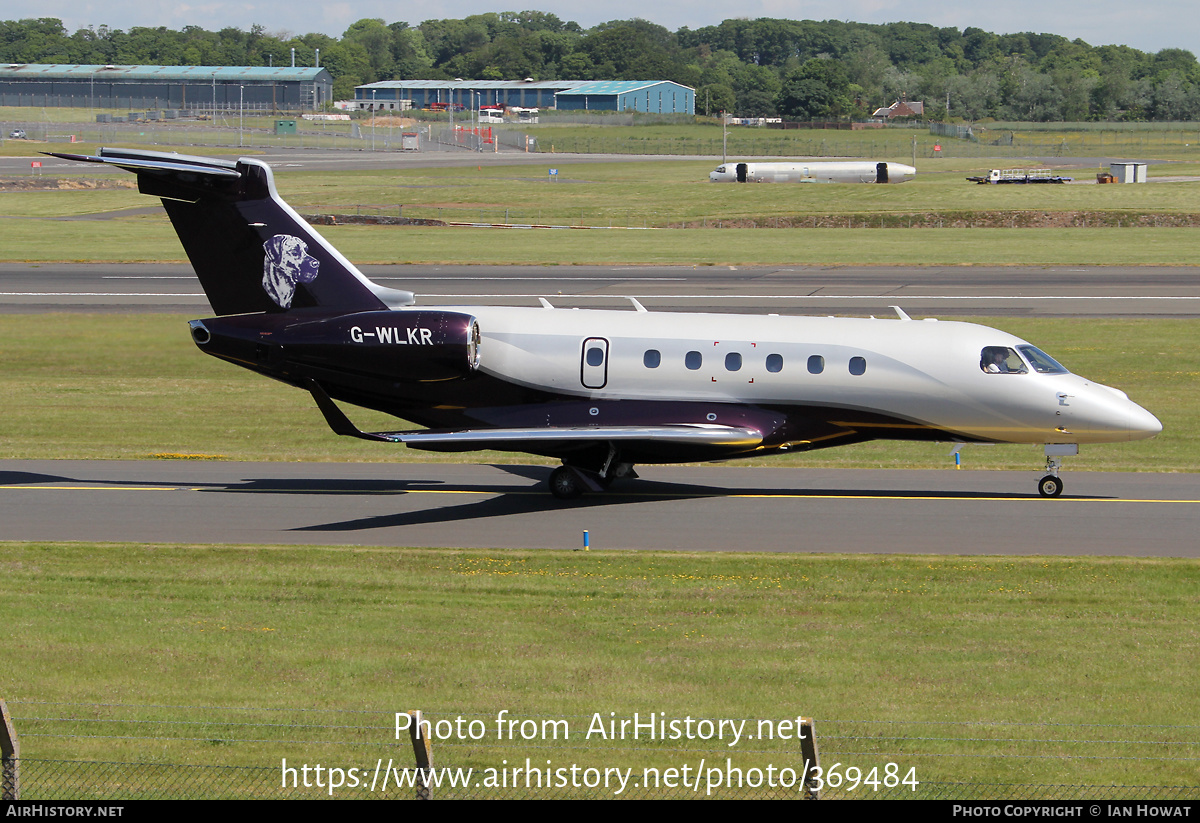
287,263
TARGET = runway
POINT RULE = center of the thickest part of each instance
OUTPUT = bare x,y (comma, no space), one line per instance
936,291
671,508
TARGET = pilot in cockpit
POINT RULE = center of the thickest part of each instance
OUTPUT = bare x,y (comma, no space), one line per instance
1000,360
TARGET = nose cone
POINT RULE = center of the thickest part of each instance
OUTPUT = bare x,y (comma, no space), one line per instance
1108,415
1142,424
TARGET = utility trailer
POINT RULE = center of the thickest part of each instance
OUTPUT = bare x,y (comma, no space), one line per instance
1020,176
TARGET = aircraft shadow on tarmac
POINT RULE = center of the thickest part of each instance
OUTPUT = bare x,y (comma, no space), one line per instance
503,500
509,501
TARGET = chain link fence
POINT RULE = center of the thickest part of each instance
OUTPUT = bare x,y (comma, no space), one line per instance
120,752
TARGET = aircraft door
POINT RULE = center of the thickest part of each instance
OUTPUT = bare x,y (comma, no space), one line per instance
593,370
881,173
741,172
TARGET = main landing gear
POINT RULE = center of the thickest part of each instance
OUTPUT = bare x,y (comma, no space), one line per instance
565,484
1051,485
568,482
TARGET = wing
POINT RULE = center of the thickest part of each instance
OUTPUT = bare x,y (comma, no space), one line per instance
535,439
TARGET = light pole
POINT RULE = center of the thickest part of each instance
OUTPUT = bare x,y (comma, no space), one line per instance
372,119
241,113
724,134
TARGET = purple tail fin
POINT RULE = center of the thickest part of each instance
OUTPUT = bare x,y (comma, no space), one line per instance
251,251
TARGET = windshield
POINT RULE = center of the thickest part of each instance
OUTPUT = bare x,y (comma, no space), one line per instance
1042,363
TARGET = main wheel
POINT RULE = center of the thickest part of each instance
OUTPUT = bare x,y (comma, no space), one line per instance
564,484
1050,486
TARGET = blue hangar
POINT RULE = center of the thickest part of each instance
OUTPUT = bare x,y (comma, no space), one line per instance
657,96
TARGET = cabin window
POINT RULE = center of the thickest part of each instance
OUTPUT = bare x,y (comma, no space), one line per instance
774,363
816,364
692,360
733,361
651,358
1042,363
595,356
1002,360
858,365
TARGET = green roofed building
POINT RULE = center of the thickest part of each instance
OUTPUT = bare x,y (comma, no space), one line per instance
164,87
659,96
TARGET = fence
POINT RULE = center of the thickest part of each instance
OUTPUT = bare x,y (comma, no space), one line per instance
88,751
139,102
253,127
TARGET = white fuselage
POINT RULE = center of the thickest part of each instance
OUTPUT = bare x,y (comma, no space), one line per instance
814,171
925,372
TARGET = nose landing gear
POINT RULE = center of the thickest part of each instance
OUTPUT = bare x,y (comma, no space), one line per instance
1051,485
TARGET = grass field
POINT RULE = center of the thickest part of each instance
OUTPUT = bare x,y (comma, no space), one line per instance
902,144
778,224
922,641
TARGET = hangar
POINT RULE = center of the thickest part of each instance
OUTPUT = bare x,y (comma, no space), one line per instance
164,87
658,96
423,94
590,95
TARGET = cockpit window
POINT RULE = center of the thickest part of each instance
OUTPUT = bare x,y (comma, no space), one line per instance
720,169
1001,360
1042,363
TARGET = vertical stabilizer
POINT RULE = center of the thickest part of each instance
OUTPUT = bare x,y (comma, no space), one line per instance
251,251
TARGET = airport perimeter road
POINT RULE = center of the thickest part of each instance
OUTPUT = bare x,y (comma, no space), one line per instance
671,508
929,291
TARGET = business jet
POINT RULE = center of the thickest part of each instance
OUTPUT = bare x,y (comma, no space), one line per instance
849,171
602,391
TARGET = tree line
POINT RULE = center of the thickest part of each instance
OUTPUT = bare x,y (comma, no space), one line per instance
801,69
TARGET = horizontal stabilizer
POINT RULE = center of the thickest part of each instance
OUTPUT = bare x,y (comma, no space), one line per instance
162,163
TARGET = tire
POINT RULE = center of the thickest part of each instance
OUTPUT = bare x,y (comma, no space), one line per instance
1050,486
564,484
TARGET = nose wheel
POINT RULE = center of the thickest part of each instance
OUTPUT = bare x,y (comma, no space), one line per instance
1050,486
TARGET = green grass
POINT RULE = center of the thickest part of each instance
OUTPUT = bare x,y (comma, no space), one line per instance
68,203
548,634
145,390
813,224
151,239
1177,141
